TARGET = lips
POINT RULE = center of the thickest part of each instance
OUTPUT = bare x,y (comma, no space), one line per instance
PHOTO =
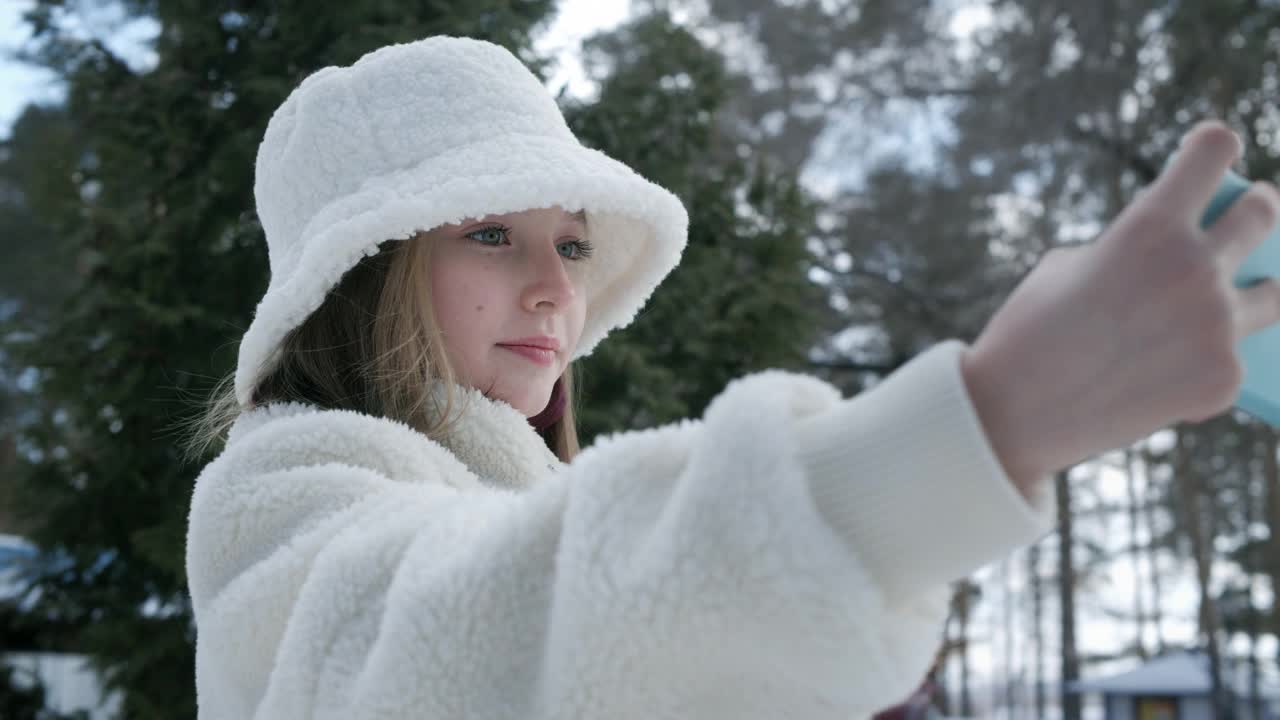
537,355
542,342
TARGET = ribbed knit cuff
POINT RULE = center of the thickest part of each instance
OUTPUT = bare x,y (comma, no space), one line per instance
905,472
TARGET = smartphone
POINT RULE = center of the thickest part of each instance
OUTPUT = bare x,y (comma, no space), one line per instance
1260,352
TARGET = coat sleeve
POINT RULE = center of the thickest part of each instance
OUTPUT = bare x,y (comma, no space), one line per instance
788,554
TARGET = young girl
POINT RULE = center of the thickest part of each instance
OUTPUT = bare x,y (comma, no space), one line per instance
401,526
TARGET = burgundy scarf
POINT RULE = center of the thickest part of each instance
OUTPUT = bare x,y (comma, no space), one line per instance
551,414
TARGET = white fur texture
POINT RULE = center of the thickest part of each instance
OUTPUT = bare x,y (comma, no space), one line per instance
416,135
346,566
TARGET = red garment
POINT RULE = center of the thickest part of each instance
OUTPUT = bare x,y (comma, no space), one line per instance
554,410
915,707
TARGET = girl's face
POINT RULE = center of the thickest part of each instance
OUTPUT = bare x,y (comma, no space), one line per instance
508,297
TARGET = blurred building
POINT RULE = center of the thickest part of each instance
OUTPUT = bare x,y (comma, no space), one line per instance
1177,686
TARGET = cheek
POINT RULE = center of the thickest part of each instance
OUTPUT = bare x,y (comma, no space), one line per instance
462,307
577,316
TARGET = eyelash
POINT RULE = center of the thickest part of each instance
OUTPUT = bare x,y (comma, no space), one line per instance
585,248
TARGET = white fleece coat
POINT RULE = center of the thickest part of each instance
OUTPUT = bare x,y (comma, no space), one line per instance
787,555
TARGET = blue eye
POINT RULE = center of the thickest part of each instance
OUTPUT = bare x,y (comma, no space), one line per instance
576,249
494,235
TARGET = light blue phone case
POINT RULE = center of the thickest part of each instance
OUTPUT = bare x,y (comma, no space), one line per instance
1260,352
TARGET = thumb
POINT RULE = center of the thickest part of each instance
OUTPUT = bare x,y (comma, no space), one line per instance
1058,253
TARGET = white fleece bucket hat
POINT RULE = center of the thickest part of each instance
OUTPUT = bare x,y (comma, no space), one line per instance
416,135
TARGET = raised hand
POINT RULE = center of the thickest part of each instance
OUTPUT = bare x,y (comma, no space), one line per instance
1107,342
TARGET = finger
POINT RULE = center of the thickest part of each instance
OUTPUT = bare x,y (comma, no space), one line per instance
1248,222
1259,307
1191,178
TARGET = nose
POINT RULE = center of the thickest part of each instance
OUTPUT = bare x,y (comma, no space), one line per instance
548,285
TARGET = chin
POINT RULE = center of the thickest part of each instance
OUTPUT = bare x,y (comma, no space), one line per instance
527,402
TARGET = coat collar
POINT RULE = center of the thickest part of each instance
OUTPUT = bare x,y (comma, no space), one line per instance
493,439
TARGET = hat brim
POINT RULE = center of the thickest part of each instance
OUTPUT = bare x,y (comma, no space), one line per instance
638,231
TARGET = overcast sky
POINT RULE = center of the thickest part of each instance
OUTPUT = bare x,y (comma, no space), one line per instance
21,83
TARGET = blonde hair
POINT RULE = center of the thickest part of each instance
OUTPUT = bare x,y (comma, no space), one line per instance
373,346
